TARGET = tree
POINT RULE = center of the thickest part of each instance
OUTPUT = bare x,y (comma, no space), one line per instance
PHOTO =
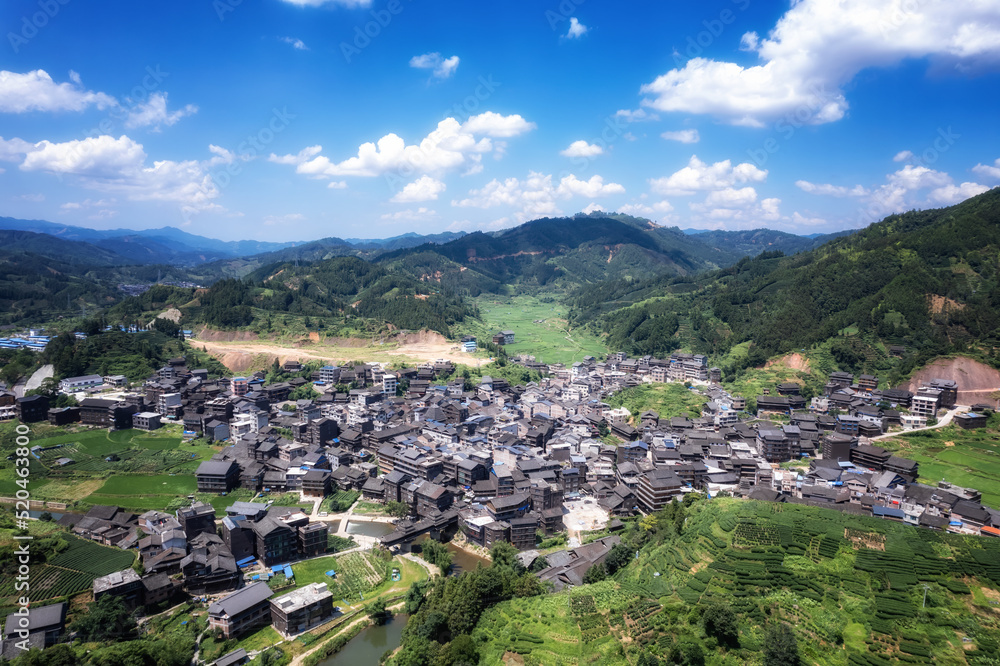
780,646
462,651
436,553
504,554
107,619
595,574
720,621
397,509
618,557
45,516
687,652
539,564
377,611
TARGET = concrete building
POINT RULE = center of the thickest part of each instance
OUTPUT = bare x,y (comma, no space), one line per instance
241,611
302,609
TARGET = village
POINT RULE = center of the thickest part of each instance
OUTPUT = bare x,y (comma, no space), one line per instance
483,464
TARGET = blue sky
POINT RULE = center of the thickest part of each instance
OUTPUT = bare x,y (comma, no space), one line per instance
298,119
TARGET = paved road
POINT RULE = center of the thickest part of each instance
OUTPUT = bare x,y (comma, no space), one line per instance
35,381
942,422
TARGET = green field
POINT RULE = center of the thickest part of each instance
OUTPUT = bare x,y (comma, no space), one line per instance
134,469
668,400
540,328
968,458
67,573
358,573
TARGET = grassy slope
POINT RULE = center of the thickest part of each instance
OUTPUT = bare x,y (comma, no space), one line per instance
668,400
548,341
836,608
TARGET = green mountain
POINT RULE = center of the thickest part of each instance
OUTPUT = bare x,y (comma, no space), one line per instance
929,280
564,253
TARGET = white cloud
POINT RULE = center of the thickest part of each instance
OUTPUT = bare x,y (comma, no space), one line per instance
498,126
684,136
903,156
657,210
594,187
536,195
337,185
119,166
424,188
831,190
35,198
153,113
635,116
817,47
419,215
576,29
919,177
987,171
36,91
802,221
296,44
593,207
952,194
450,146
442,67
698,176
731,198
582,149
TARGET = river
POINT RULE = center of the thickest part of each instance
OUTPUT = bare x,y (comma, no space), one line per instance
367,648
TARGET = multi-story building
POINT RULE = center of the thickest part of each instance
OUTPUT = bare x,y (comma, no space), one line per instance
241,611
311,539
302,609
217,476
197,519
146,420
125,584
658,488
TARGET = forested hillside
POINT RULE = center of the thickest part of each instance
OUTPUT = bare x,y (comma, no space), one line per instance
339,288
929,280
563,253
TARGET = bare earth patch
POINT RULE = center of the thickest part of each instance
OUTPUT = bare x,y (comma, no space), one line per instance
792,361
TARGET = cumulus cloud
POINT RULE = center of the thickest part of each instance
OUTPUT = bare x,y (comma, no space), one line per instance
816,48
36,91
582,149
698,176
655,210
536,195
440,67
576,29
903,156
952,194
424,188
683,136
153,113
452,145
987,171
120,166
